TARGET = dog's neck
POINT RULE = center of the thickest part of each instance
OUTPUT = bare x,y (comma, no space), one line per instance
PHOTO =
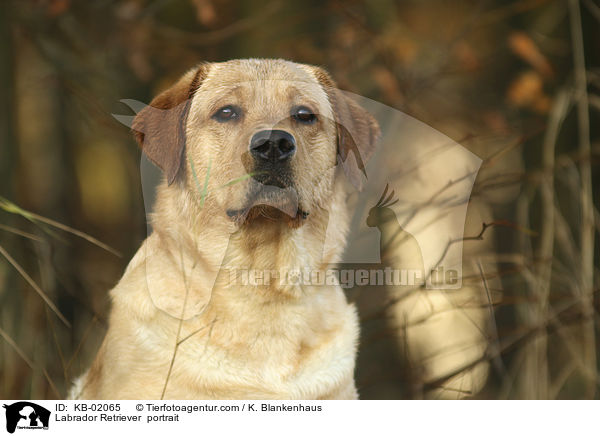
258,248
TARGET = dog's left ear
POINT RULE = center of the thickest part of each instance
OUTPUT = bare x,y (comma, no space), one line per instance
159,128
357,130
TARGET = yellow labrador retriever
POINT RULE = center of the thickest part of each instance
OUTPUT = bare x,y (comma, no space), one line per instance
253,154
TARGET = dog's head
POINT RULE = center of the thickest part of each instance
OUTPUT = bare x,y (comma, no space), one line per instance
258,138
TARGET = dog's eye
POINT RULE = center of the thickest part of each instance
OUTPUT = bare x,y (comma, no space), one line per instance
304,115
227,113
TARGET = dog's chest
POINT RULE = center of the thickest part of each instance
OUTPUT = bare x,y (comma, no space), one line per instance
266,358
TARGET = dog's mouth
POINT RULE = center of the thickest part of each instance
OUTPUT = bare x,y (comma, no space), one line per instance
272,179
272,201
267,213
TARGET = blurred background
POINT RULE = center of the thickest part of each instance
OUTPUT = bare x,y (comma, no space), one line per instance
516,82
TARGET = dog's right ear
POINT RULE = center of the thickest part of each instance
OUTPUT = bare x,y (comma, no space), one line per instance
159,128
357,130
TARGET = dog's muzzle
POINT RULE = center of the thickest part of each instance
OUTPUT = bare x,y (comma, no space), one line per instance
270,191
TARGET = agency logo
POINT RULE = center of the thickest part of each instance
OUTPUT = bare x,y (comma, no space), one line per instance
27,416
410,235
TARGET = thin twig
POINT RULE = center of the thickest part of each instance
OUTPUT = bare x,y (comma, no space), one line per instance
536,360
497,360
80,344
28,361
478,237
57,344
21,233
10,207
592,8
34,285
587,212
179,327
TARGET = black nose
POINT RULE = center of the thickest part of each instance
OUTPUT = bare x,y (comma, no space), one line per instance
274,146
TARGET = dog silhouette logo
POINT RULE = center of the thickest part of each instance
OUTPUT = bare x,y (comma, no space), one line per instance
26,415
